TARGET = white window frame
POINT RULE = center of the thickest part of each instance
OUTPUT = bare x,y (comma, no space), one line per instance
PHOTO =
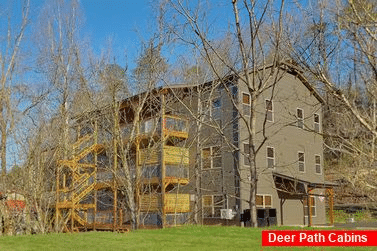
212,206
211,156
317,123
272,110
320,164
313,206
300,162
273,158
264,201
300,119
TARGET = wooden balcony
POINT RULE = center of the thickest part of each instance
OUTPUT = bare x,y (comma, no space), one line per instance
174,174
173,155
175,127
174,203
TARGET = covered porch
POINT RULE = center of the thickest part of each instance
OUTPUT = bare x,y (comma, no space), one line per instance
289,187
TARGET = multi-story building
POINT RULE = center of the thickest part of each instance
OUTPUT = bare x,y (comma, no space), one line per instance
189,157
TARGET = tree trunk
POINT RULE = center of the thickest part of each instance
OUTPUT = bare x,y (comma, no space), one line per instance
253,163
198,166
3,147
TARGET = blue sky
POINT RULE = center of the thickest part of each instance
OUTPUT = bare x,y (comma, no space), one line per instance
122,21
125,22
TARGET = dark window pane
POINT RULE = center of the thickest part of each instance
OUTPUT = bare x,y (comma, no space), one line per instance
216,150
207,211
270,152
267,200
217,200
318,159
245,98
301,157
270,163
318,168
216,103
301,167
269,115
246,110
217,161
299,114
217,212
247,152
268,105
316,118
259,200
234,92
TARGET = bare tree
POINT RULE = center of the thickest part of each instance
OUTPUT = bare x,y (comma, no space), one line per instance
254,61
338,52
9,60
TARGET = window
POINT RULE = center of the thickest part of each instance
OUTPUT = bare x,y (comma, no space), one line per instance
269,111
216,103
246,104
300,118
211,157
216,110
246,150
234,92
270,157
212,205
263,200
312,206
245,99
301,162
316,122
212,109
317,164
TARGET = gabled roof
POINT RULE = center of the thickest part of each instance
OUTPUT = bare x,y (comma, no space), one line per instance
289,67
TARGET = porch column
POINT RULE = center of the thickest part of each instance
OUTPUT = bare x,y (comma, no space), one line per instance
309,202
330,192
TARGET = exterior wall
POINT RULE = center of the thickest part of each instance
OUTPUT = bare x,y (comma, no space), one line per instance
287,139
232,179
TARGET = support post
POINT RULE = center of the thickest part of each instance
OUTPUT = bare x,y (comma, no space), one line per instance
330,192
163,168
309,202
57,199
138,176
282,200
95,175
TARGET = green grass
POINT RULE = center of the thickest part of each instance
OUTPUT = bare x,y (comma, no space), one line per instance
181,238
340,216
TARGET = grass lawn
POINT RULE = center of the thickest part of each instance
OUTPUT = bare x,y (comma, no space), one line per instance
180,238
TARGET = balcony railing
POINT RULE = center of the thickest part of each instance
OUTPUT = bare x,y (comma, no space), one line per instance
174,203
173,155
173,174
172,125
175,126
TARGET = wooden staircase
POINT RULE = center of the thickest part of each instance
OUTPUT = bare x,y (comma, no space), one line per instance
83,181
